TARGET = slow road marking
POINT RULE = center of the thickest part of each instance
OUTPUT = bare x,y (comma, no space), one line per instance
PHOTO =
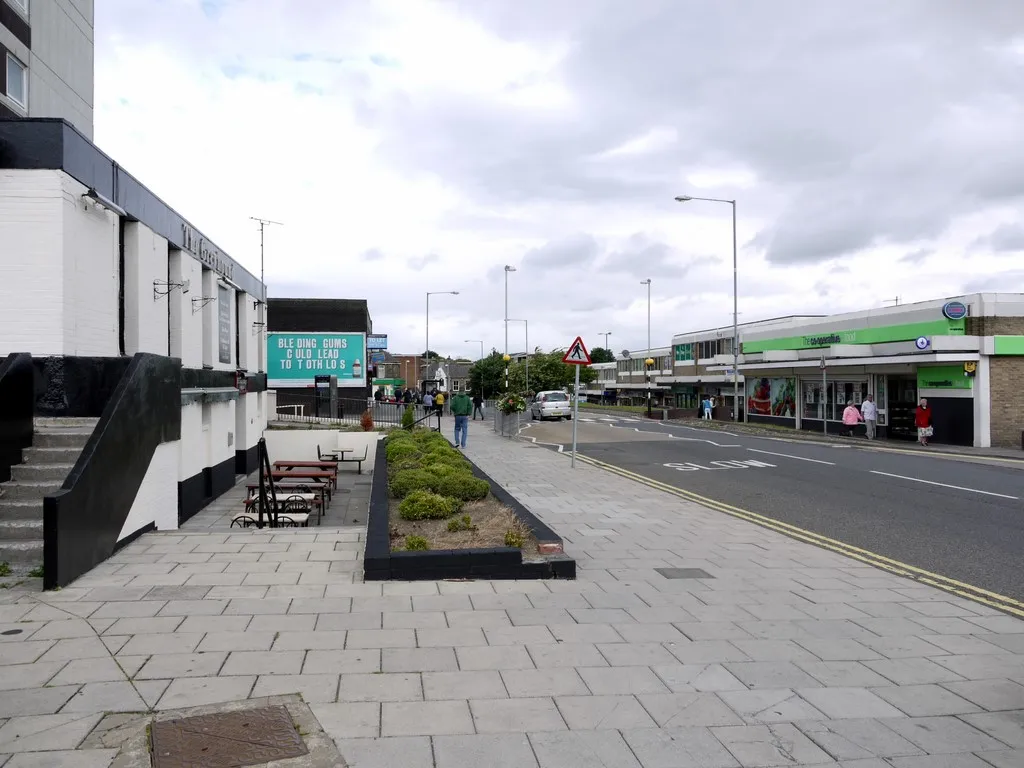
788,456
959,588
945,485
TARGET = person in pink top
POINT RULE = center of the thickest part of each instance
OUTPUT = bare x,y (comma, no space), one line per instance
851,417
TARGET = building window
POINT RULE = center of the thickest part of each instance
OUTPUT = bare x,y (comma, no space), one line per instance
683,352
17,81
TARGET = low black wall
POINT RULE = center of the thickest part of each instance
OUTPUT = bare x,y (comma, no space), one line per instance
76,387
82,521
17,395
381,564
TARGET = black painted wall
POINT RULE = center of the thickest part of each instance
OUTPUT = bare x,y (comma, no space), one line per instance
76,386
319,315
16,398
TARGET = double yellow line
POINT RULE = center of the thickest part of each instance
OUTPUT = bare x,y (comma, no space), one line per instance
959,588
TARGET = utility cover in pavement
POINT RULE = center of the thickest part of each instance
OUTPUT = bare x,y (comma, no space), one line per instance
684,573
226,740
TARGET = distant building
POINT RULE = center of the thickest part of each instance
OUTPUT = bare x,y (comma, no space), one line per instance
46,60
449,376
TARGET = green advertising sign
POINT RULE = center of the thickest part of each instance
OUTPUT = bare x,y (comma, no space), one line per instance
1009,345
943,377
880,335
293,359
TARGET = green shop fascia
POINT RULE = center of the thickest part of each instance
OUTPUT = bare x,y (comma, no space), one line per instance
881,335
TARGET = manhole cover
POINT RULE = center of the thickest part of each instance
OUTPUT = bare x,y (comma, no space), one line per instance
247,737
684,573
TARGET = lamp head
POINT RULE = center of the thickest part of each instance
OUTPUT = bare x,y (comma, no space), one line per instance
506,357
649,361
683,199
509,268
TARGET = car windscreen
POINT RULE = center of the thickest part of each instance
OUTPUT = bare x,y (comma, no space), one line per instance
551,396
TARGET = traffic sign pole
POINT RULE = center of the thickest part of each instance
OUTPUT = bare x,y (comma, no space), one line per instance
575,412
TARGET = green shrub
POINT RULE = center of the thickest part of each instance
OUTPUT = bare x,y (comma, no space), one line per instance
409,480
424,505
406,463
444,469
428,440
401,449
416,543
5,569
514,538
462,486
464,523
451,458
408,418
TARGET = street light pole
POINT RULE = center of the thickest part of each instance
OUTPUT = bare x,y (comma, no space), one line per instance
426,351
527,326
606,335
647,361
476,341
508,269
735,302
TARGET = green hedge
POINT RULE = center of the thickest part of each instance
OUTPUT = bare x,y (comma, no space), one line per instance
409,480
424,505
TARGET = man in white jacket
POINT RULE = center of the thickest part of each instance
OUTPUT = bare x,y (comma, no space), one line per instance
869,411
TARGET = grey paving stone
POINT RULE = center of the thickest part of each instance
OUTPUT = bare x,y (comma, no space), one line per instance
71,649
367,604
679,748
837,649
634,654
839,703
494,657
585,633
569,655
526,683
580,749
174,643
698,677
680,710
940,761
419,660
707,652
380,687
943,735
88,671
338,662
450,638
516,715
977,667
926,700
236,641
770,706
621,680
46,732
1008,727
713,630
91,758
35,701
989,694
425,718
842,674
204,624
770,745
192,607
381,638
525,635
283,623
774,650
58,630
902,647
912,671
248,607
394,752
497,750
771,674
648,633
591,713
415,620
540,616
1011,758
177,593
174,665
464,685
483,619
857,739
349,720
28,675
106,697
321,605
263,663
25,652
963,645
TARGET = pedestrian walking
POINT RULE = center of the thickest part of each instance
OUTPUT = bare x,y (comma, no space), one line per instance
478,406
851,418
869,411
706,406
461,407
428,403
923,421
439,403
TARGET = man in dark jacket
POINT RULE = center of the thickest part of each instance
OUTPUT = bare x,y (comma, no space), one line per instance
478,406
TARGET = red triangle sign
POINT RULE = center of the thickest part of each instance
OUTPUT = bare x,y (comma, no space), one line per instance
577,354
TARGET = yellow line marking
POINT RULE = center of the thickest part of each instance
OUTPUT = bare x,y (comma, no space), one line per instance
962,589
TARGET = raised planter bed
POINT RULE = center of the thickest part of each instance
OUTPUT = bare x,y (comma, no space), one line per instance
381,564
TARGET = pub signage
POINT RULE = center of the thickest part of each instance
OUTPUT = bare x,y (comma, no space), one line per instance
207,254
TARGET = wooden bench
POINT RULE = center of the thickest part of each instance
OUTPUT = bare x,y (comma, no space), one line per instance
295,487
354,460
320,476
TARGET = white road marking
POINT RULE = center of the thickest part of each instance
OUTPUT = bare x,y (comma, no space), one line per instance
725,464
788,456
945,485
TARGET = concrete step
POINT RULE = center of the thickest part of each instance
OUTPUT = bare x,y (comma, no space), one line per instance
20,530
64,455
25,491
60,438
63,422
21,510
37,473
22,556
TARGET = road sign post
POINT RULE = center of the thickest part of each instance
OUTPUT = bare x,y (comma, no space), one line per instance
578,356
824,397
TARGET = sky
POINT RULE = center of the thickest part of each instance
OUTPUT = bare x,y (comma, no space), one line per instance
874,151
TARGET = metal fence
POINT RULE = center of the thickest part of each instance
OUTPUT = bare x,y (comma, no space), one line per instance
309,409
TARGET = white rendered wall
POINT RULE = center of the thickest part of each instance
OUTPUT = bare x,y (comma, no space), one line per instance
31,262
248,426
209,316
186,326
982,405
145,316
91,275
157,499
301,444
220,436
192,446
250,337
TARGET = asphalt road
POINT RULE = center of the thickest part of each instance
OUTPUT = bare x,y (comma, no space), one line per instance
961,518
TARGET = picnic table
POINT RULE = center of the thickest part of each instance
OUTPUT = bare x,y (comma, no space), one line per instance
325,477
288,488
313,499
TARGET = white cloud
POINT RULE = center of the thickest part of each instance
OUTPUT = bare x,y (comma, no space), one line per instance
415,145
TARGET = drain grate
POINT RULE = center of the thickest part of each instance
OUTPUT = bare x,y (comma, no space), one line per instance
684,573
226,740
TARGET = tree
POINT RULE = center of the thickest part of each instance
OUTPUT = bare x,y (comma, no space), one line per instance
431,355
487,375
547,372
601,355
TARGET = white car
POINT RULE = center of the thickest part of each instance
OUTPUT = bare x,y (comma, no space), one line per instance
551,405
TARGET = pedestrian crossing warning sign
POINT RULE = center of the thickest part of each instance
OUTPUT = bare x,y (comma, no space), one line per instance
577,354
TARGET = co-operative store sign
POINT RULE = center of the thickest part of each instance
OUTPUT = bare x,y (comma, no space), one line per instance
293,359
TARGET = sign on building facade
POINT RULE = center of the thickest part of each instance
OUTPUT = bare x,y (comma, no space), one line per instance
295,358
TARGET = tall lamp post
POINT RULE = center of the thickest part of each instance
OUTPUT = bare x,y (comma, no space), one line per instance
735,302
508,269
527,326
426,351
606,334
648,362
476,341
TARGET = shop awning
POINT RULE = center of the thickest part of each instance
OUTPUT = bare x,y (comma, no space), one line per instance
391,382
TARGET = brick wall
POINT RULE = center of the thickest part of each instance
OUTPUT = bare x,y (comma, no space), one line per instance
995,326
1007,409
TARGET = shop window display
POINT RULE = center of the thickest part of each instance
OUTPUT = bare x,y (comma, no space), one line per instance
771,397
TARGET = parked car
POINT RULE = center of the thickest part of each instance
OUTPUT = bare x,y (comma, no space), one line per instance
551,405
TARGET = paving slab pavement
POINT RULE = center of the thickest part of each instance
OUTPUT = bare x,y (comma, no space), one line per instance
779,654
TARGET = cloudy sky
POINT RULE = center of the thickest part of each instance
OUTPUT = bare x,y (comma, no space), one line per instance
875,150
